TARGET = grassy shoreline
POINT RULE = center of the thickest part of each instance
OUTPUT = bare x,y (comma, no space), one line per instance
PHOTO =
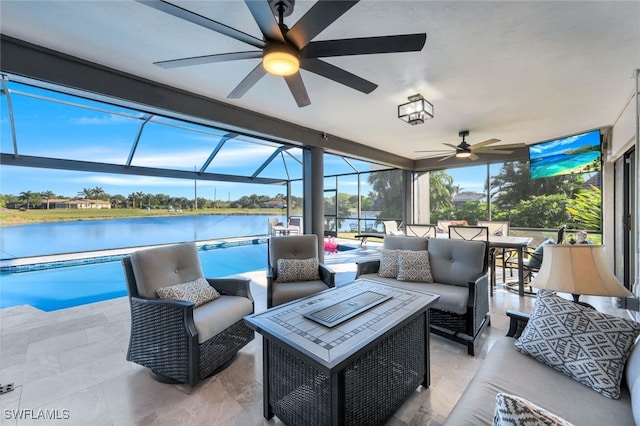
9,217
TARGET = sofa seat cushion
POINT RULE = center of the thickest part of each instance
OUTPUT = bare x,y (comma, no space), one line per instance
286,292
507,370
212,318
452,298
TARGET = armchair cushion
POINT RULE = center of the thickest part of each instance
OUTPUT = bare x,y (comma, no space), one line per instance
211,319
589,346
165,266
290,270
388,263
286,292
197,291
413,265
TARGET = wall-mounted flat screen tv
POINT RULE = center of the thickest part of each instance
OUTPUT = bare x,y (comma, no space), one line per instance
573,154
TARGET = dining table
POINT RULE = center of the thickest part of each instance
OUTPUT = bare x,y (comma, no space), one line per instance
507,242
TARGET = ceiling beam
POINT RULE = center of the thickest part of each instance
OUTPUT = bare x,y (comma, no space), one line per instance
88,166
32,61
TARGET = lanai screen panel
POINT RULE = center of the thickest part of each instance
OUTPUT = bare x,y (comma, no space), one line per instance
166,143
246,156
55,125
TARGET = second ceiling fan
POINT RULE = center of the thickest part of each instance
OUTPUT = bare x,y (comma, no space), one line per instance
465,150
284,51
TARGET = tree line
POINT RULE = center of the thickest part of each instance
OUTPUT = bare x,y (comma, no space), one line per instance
139,200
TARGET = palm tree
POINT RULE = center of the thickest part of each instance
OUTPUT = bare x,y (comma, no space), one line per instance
97,193
27,196
47,195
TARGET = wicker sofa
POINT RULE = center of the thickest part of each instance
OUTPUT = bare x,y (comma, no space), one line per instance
507,371
460,278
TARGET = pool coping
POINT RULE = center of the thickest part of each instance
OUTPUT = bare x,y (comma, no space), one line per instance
40,263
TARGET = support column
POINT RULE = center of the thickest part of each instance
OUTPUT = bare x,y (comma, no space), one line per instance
313,194
407,197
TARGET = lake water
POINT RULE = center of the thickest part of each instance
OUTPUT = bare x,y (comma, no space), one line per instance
89,235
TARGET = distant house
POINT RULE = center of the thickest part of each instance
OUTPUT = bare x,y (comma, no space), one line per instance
595,180
278,204
463,197
63,203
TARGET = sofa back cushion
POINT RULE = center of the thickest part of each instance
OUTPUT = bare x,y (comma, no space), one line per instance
401,242
457,261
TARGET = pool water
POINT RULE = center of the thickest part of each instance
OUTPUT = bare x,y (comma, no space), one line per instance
62,288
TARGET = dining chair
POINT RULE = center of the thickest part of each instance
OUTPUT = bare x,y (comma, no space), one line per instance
500,229
417,230
294,226
391,227
480,233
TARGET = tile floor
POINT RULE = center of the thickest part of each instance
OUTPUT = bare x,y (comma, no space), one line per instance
71,364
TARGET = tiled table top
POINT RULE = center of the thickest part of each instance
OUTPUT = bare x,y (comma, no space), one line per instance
330,345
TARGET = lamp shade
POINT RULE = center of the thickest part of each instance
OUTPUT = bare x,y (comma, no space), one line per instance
577,269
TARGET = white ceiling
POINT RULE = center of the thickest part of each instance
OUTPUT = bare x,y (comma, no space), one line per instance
519,71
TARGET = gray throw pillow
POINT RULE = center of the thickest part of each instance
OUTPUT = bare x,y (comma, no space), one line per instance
589,346
413,265
512,410
388,263
290,270
197,291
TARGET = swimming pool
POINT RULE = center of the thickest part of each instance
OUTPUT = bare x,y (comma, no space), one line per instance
61,288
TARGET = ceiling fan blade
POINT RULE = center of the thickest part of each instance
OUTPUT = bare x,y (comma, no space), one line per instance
473,157
365,46
447,157
484,143
452,146
252,78
208,59
194,18
265,19
320,16
492,151
338,75
299,92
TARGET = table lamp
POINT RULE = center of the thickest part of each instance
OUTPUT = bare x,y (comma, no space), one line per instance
578,269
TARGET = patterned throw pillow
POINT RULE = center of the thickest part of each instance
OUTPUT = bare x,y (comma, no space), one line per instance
512,410
413,265
589,346
198,291
388,263
297,270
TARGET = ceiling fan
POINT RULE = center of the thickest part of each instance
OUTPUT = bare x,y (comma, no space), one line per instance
284,51
465,150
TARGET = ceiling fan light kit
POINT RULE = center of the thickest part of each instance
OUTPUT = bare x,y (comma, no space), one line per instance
280,59
284,51
416,111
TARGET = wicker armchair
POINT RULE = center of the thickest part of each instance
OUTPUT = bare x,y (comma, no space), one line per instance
295,247
178,342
